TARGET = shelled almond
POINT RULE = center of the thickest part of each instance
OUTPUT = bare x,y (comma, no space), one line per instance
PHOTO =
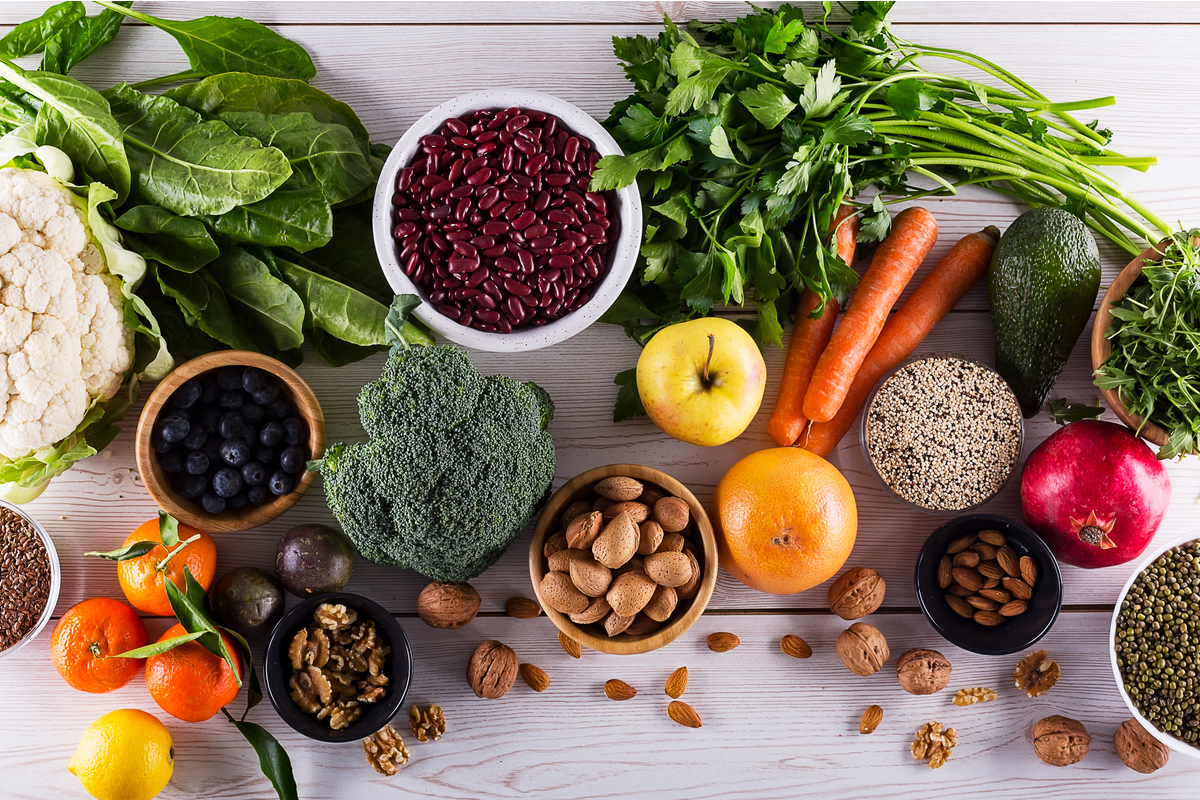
984,579
626,558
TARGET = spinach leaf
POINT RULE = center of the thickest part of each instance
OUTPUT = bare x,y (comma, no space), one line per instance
239,91
188,165
349,257
32,35
78,40
271,302
296,218
336,308
77,120
181,243
230,44
205,307
336,353
323,154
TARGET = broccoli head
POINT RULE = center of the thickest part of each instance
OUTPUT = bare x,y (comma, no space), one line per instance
456,465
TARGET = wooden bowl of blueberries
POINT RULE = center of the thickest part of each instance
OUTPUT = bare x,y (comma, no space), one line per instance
224,441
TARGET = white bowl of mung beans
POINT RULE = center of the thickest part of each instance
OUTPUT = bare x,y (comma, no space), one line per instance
942,433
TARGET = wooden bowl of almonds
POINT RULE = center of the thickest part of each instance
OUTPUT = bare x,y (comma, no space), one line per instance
623,559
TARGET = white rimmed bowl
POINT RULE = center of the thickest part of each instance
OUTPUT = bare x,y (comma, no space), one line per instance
55,579
1177,745
621,258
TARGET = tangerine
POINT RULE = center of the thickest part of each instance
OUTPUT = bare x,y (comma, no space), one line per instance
785,520
142,580
90,630
190,683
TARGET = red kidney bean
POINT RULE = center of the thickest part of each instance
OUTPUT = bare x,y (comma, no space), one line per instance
529,134
499,209
516,123
494,228
482,242
433,140
495,251
557,179
535,231
525,258
513,286
405,229
433,162
541,202
441,242
596,201
561,262
462,209
544,242
457,126
523,181
536,164
475,278
523,220
489,198
525,147
570,149
513,211
482,300
476,219
441,212
466,249
486,147
448,310
480,177
593,231
563,248
468,316
404,180
410,266
516,195
459,192
429,181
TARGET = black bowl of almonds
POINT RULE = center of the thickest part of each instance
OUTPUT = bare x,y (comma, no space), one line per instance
337,667
988,584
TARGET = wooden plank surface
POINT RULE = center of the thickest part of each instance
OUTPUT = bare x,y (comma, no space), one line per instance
774,727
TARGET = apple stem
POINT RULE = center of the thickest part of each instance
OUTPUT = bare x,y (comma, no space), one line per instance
711,343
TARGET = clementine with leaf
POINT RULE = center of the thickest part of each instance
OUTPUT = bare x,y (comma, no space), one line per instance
142,578
189,682
90,631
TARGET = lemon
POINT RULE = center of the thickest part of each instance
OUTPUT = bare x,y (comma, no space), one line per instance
124,755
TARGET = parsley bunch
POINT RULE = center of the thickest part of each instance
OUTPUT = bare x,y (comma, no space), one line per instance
1155,333
744,138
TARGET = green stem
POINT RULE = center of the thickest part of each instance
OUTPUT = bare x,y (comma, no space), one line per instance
186,75
162,565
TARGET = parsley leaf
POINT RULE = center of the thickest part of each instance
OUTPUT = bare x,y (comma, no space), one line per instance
909,97
768,103
629,402
821,97
781,35
640,123
848,129
718,144
876,224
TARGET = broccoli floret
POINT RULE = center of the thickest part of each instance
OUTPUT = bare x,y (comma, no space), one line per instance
456,465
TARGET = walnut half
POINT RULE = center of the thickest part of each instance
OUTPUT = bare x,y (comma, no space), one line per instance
934,745
335,617
1036,673
428,723
385,750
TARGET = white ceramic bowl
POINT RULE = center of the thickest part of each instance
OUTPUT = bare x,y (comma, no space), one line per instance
1183,748
55,579
621,258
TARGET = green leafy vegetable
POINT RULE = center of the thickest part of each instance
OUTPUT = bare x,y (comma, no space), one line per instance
629,402
179,242
79,39
1155,337
32,35
1065,411
188,165
228,44
297,218
273,304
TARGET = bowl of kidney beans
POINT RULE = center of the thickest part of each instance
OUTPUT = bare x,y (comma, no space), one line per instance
224,441
484,210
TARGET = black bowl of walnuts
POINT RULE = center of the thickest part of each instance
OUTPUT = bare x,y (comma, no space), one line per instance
224,441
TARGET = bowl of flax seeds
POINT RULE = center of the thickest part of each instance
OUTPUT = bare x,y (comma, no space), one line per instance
29,578
942,433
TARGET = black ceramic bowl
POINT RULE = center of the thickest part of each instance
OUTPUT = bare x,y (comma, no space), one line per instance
277,669
1016,633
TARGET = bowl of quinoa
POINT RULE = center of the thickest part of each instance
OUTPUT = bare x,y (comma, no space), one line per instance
942,433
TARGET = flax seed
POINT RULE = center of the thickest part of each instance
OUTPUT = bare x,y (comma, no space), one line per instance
24,578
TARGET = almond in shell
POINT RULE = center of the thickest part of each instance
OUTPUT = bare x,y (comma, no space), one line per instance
671,542
561,561
669,569
651,537
561,593
672,513
688,590
635,564
630,593
618,542
598,610
662,604
615,624
590,576
583,530
554,543
619,488
642,625
640,512
576,509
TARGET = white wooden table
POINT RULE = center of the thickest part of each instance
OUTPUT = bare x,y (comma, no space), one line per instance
774,727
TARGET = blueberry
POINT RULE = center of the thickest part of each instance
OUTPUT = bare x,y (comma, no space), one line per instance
267,394
255,380
279,408
198,436
183,413
238,501
235,452
212,448
295,431
231,425
196,464
253,413
191,486
254,473
231,399
266,455
210,416
226,482
230,377
157,442
209,391
211,503
279,483
187,394
257,494
271,434
174,428
171,461
293,459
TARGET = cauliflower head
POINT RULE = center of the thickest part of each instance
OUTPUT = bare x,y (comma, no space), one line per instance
64,343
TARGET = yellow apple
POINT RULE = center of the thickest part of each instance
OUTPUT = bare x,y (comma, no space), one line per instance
702,381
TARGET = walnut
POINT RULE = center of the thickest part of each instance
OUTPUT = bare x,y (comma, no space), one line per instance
385,750
857,593
364,635
342,637
377,659
862,648
492,670
345,714
297,647
320,684
1036,673
355,661
341,684
333,617
303,694
337,658
922,671
448,605
316,650
934,745
1060,741
427,723
370,694
978,694
1139,750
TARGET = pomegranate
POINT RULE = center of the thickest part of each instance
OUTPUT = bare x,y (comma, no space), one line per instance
1095,493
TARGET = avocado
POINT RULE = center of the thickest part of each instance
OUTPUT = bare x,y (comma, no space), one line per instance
1042,286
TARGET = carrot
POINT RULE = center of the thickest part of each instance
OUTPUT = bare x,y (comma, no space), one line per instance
809,337
914,232
959,270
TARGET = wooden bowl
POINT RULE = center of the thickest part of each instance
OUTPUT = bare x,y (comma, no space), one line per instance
548,524
1102,347
187,511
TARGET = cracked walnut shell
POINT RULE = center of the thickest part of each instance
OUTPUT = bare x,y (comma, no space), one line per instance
492,670
1036,674
428,723
1060,741
863,649
922,671
385,750
857,593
